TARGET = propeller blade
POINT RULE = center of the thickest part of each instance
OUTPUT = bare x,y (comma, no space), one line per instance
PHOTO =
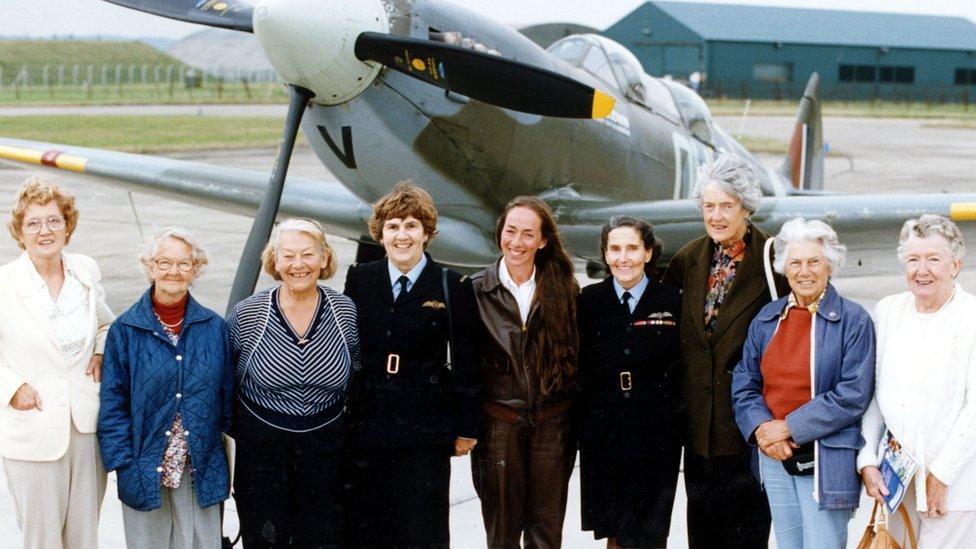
250,265
224,14
488,78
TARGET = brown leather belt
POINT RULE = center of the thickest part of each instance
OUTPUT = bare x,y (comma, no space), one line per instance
524,417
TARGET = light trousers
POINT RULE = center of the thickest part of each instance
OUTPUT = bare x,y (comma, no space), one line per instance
798,521
179,523
956,529
49,518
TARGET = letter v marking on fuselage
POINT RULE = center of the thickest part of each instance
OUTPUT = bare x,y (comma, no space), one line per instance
347,155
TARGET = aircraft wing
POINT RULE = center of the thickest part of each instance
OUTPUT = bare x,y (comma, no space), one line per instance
228,189
862,222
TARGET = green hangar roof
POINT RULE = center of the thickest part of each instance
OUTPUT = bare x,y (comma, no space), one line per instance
739,23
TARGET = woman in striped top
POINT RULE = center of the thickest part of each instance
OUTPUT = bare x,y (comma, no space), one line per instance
295,346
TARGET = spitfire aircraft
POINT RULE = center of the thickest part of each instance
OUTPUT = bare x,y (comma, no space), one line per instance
476,113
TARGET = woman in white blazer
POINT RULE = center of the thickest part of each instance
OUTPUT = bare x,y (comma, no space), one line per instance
53,322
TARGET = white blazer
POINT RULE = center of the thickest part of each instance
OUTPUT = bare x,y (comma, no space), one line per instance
29,353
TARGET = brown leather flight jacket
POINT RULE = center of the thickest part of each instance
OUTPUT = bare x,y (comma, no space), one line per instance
507,375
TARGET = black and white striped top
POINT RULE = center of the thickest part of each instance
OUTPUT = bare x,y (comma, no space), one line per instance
294,382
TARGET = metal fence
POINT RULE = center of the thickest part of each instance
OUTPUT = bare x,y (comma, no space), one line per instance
80,75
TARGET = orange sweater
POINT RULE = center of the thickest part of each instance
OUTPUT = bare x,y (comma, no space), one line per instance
785,365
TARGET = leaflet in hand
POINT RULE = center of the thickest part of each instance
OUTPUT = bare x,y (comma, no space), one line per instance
897,470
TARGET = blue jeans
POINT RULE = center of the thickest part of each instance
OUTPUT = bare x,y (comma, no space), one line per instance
798,521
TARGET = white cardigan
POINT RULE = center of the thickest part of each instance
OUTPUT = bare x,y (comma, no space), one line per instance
30,353
926,392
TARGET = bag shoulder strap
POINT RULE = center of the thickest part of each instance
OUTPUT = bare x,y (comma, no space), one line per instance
767,263
909,530
450,319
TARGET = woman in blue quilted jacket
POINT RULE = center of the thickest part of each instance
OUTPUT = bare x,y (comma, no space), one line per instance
167,384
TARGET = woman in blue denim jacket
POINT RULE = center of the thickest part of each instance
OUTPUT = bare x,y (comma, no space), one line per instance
805,379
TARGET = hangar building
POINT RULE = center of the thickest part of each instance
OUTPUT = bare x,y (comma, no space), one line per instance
769,52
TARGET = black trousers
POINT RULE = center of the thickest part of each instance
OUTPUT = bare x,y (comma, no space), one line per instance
726,505
399,497
287,485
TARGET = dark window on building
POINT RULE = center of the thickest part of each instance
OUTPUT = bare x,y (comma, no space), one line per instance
846,73
905,75
966,77
864,73
858,73
898,75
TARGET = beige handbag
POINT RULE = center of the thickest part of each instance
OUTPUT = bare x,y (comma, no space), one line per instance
877,535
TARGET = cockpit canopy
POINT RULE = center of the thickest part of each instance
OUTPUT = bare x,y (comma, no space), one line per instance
619,69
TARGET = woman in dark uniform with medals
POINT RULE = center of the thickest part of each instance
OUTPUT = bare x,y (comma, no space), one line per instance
629,448
413,405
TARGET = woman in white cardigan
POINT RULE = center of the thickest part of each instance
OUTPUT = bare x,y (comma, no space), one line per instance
926,385
53,322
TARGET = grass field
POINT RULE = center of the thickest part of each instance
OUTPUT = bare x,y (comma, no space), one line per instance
147,134
35,54
145,94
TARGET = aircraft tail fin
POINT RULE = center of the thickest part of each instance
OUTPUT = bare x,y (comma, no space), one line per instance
804,164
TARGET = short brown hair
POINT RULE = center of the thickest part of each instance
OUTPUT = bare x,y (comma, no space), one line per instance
309,227
405,200
36,190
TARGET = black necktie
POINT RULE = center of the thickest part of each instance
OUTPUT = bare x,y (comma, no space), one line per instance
402,281
626,299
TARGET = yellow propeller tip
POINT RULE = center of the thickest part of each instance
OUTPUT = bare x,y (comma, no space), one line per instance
602,104
962,211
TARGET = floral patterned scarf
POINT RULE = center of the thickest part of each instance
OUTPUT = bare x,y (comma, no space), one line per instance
724,263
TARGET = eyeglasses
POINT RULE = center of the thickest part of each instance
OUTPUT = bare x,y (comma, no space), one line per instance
54,223
165,264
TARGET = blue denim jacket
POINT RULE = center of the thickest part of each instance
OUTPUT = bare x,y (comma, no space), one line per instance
844,373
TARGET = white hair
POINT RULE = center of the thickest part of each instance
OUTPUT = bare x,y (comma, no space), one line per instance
800,230
197,253
732,176
928,225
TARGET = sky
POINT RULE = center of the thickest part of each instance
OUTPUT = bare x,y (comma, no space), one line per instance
40,18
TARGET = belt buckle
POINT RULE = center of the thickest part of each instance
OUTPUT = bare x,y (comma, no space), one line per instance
626,381
392,364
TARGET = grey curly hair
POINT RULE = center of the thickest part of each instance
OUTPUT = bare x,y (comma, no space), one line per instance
732,176
197,253
930,224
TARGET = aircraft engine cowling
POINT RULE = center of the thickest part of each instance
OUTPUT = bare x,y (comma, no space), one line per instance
310,43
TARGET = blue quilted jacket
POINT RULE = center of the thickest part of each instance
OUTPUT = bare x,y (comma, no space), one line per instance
145,381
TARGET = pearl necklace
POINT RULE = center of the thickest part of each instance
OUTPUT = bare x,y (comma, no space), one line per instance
171,326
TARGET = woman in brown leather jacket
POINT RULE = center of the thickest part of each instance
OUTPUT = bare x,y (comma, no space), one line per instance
527,302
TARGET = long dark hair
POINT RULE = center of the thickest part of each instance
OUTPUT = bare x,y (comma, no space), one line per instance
646,232
557,342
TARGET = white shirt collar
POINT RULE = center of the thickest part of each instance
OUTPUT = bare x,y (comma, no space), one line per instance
37,281
523,294
508,281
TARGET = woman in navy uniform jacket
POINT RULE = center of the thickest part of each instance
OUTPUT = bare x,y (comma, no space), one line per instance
411,406
629,448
